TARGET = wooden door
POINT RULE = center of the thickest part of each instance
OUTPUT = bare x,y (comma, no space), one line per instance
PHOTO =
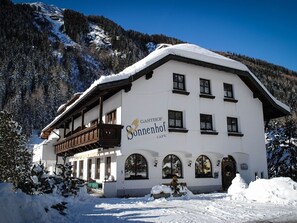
228,171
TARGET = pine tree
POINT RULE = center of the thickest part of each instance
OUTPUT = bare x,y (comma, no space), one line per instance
15,158
66,184
281,149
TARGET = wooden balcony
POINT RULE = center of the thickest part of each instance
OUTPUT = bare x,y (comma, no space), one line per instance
97,136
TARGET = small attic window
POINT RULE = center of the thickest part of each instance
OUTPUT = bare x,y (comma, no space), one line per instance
163,45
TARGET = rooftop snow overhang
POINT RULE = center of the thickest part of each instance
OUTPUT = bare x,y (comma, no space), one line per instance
109,85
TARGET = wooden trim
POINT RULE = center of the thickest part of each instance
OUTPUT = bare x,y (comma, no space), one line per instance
209,132
238,134
230,100
149,75
83,119
175,91
181,130
210,96
100,110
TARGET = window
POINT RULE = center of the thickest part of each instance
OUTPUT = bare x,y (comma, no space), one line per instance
171,166
111,117
74,168
232,125
175,119
89,169
228,91
94,122
206,122
179,82
81,169
203,167
97,172
107,167
136,167
205,86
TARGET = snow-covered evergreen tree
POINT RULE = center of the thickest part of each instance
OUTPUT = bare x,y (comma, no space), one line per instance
15,158
66,184
281,146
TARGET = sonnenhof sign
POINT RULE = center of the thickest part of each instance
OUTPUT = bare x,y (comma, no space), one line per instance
144,127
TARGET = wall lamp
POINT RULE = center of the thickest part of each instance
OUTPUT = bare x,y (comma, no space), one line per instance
190,163
155,163
218,162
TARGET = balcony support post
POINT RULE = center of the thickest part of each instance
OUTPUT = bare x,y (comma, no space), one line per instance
82,119
100,110
72,125
64,130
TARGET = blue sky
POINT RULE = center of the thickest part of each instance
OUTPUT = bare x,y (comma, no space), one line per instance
263,29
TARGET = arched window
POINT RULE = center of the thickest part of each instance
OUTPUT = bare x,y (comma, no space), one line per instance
136,167
171,166
203,167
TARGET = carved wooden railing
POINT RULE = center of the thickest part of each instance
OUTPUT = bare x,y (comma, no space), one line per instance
97,136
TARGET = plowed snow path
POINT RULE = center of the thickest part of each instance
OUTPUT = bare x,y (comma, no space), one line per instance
205,208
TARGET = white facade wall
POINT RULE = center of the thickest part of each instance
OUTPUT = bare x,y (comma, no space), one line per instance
152,98
44,152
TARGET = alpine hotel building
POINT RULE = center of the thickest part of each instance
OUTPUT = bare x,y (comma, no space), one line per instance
182,110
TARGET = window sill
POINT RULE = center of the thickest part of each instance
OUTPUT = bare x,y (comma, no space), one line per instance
209,132
207,96
231,100
238,134
183,92
181,130
209,177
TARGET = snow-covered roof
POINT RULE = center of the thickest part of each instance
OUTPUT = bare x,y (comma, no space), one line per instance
188,51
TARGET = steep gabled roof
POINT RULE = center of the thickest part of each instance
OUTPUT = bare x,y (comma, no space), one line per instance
187,53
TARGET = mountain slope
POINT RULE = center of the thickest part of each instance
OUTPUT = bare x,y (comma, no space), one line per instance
49,53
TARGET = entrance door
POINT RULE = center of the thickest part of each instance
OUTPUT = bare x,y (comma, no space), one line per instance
228,171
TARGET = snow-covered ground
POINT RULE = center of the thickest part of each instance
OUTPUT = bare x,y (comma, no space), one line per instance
273,200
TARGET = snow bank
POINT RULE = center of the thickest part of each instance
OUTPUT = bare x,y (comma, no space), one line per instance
158,189
18,207
280,190
238,185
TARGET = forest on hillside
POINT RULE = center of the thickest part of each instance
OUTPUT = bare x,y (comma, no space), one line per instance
45,58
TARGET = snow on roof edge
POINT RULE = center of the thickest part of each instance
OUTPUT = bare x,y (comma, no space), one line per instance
187,50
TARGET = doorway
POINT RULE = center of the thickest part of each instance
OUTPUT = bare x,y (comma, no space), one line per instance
228,171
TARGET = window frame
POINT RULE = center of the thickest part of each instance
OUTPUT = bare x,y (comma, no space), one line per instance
232,125
175,119
177,82
197,165
228,91
111,117
97,168
203,87
137,157
232,132
172,170
203,119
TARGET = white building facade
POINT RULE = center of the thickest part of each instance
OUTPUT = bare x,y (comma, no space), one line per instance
181,111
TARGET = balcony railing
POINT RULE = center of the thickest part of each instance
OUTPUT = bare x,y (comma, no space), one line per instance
97,136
